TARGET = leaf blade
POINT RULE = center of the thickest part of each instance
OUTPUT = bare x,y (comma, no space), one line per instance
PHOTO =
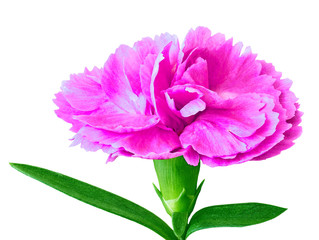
232,215
98,197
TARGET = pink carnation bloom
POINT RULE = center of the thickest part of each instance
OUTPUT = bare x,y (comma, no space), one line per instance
207,100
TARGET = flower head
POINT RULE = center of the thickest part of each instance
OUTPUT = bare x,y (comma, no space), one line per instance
207,100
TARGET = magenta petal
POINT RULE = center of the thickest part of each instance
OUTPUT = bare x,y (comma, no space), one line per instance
83,91
66,112
228,67
286,98
146,75
121,122
269,69
185,100
201,38
195,74
241,116
161,80
121,80
211,140
142,143
191,156
289,136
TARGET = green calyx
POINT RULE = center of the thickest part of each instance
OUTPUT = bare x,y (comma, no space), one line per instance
178,190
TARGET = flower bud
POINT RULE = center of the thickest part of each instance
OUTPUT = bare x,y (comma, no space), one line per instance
178,184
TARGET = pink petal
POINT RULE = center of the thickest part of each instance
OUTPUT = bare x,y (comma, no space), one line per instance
195,74
241,115
146,75
210,140
201,38
191,156
121,80
286,98
161,80
121,122
140,143
289,136
184,100
228,68
66,112
83,91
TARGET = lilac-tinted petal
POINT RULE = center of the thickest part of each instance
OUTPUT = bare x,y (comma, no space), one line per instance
145,47
289,136
201,38
193,107
157,142
215,161
286,98
121,80
142,143
88,145
83,91
121,122
210,140
66,112
242,115
268,128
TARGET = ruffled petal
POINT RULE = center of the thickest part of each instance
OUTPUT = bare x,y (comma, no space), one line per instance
83,91
287,98
191,156
121,80
162,75
228,68
146,72
195,74
140,143
210,139
201,38
289,136
241,116
66,112
121,122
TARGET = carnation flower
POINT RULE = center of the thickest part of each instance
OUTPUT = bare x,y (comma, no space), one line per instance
208,100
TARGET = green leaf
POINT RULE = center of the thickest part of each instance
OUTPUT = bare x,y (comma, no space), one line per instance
99,198
232,215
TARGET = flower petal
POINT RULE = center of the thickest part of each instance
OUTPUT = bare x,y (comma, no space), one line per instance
66,112
228,68
201,38
140,143
191,156
121,122
161,79
83,91
210,139
241,116
121,80
195,74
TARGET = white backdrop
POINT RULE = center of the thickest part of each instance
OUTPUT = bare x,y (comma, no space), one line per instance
42,42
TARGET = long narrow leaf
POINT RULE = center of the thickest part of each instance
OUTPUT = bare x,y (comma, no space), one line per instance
233,215
99,198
